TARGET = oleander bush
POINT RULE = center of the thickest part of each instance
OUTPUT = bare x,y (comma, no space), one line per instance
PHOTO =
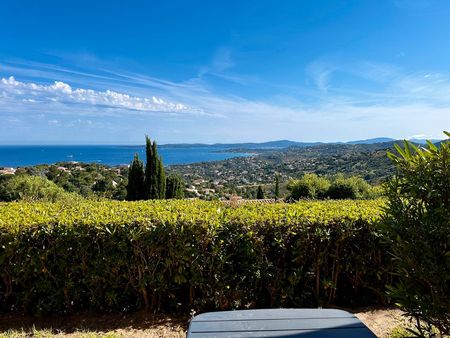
417,223
180,255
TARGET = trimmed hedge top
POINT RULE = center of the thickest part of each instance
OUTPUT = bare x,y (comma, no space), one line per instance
15,216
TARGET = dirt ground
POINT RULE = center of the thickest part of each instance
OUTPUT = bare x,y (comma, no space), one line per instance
380,321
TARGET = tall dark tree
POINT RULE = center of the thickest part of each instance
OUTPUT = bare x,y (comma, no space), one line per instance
136,180
148,168
260,193
277,186
155,178
174,187
161,176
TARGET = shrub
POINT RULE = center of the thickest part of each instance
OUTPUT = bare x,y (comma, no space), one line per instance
341,189
33,188
312,186
181,255
418,225
353,187
309,186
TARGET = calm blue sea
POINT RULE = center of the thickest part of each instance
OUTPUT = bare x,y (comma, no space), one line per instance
16,156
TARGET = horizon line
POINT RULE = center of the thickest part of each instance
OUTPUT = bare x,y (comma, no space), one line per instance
216,143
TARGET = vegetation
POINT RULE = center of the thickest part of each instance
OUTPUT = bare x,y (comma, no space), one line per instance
417,223
168,255
243,174
309,186
90,180
260,193
312,186
150,184
155,179
174,187
33,188
277,186
136,180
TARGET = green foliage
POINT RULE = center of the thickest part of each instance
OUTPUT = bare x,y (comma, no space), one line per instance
89,180
312,186
136,180
309,186
161,175
350,188
174,187
277,186
260,193
180,255
4,196
399,332
155,177
33,188
417,224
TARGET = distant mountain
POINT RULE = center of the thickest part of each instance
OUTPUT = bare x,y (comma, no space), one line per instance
279,144
372,140
283,144
423,141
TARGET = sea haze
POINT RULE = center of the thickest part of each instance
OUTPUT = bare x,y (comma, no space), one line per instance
19,156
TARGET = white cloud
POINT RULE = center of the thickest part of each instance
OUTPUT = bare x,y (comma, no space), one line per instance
64,93
53,122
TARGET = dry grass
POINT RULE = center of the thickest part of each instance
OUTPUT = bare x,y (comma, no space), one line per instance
93,326
381,321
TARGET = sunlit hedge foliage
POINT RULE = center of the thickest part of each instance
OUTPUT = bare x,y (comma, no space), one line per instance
181,255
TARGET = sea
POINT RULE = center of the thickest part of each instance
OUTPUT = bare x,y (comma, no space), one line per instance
19,156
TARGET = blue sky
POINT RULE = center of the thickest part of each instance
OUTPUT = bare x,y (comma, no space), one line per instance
97,72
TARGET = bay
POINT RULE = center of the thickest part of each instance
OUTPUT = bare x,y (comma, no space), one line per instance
18,156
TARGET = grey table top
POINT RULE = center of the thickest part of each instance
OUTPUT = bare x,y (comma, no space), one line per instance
304,323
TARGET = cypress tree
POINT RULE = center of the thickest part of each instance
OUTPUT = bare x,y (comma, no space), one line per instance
161,180
277,186
260,193
174,187
136,180
153,177
148,167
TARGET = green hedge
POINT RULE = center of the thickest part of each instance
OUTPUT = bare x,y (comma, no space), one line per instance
179,255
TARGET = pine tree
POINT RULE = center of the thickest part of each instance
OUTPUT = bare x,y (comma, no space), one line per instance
260,193
136,180
277,186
